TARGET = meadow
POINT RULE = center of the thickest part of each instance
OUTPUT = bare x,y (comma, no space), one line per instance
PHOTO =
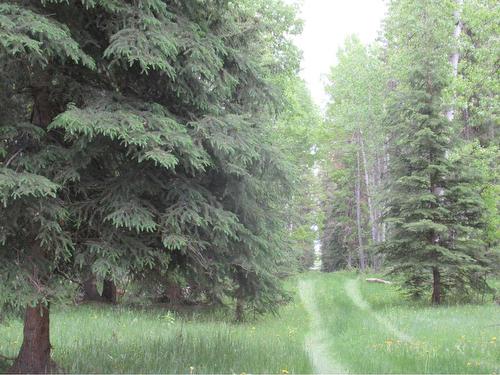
97,338
372,329
365,328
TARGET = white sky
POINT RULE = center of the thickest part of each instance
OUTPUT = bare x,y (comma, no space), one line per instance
327,23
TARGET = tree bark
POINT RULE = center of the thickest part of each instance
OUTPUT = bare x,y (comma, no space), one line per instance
348,231
239,309
90,292
369,190
450,114
436,286
173,294
384,175
34,356
240,278
361,252
109,291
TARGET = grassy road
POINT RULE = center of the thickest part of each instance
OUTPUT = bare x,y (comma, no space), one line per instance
316,341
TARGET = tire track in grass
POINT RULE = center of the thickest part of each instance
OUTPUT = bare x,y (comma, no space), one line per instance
315,341
351,287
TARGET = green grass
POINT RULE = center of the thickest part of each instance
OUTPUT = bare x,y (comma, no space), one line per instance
371,329
368,328
104,339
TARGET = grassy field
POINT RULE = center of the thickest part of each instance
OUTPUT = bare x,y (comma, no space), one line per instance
107,339
371,329
360,327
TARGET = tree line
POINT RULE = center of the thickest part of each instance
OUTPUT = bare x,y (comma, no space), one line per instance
410,150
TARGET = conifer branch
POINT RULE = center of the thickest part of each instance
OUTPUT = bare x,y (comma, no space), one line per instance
11,159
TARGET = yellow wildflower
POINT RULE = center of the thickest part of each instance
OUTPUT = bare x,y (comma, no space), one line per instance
284,371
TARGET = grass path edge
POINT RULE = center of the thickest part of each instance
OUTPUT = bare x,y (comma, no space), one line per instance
318,351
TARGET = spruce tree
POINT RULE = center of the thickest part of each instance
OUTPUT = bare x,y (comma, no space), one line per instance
434,212
134,138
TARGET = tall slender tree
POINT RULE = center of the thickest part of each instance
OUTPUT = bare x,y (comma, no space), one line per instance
354,116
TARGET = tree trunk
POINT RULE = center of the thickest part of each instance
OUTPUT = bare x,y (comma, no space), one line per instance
172,294
90,292
109,291
369,191
239,309
241,281
349,259
383,177
436,286
34,355
361,252
450,114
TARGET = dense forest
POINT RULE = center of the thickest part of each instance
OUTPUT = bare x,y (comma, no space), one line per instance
171,148
410,165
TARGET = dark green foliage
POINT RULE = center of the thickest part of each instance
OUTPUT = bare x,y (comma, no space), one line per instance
434,206
134,138
338,236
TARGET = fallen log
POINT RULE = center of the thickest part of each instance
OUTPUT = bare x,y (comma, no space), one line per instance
375,280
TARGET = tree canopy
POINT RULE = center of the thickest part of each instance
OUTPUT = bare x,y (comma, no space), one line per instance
136,138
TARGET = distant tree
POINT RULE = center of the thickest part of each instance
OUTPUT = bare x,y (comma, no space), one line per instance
476,85
297,132
409,148
355,156
475,90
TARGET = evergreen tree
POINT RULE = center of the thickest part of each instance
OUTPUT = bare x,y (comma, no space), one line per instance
435,214
338,232
135,137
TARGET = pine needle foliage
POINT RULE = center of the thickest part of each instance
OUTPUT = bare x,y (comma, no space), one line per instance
433,207
134,140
